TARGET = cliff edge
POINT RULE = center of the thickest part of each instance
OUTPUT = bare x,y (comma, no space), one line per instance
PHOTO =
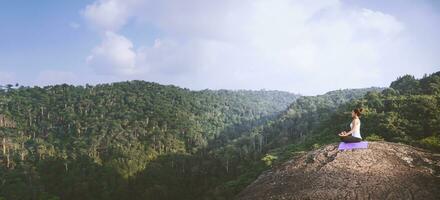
383,171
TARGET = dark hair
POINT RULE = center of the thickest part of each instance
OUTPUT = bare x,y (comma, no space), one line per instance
358,111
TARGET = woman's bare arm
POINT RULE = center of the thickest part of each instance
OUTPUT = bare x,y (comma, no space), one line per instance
355,123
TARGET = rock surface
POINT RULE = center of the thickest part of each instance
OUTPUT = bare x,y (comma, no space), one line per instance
383,171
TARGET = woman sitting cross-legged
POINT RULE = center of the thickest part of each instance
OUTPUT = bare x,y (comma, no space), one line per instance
354,135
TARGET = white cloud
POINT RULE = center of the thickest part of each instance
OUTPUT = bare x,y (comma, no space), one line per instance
110,14
375,20
301,46
115,55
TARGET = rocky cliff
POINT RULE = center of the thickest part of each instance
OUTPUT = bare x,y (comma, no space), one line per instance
383,171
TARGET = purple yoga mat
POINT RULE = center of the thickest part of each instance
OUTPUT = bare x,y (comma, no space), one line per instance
353,145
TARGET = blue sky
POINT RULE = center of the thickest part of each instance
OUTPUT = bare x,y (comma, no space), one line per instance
306,47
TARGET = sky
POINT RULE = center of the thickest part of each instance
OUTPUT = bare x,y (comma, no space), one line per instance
300,46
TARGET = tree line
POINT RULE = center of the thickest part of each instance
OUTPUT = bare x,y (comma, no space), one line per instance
143,140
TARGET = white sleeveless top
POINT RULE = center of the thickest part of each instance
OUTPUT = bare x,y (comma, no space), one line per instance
357,131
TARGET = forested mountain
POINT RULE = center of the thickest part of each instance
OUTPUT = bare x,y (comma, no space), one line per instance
407,112
71,141
142,140
256,150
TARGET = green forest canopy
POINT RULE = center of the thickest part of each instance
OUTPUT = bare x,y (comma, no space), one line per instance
144,140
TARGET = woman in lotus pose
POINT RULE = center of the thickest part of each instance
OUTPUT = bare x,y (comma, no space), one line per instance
354,135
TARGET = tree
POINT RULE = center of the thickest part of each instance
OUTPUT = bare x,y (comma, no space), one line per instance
406,84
